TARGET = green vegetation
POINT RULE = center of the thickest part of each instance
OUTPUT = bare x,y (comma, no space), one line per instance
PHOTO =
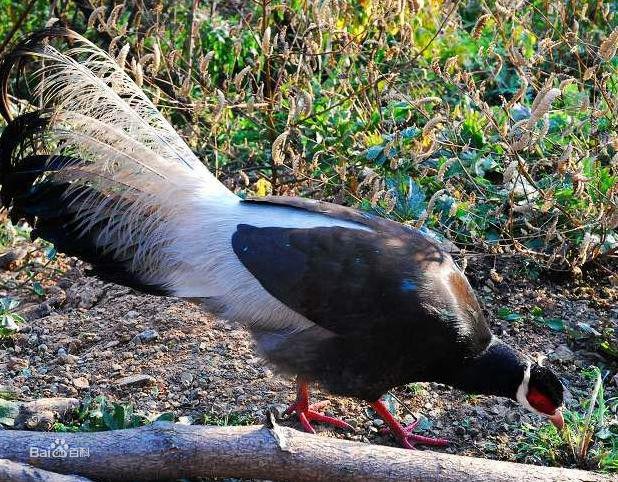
100,414
9,320
235,418
490,122
590,436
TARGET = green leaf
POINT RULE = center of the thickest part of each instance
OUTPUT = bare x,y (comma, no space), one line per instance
555,324
373,153
166,417
512,317
38,288
390,403
506,314
424,424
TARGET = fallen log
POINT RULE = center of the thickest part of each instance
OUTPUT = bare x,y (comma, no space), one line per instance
17,472
38,414
165,450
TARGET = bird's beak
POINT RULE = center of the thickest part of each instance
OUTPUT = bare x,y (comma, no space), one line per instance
557,419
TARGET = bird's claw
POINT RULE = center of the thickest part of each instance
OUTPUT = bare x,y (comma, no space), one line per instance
308,413
408,439
405,435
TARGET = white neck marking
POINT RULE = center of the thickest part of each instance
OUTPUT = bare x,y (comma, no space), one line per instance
522,392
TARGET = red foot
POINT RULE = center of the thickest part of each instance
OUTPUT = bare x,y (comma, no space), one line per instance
308,413
404,434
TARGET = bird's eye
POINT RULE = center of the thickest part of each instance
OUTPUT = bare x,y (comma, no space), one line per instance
540,401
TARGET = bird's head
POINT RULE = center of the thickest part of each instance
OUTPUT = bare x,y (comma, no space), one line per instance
503,371
541,392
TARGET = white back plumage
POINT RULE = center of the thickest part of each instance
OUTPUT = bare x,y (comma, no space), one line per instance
149,200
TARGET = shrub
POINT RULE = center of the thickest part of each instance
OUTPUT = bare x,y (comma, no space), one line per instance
493,123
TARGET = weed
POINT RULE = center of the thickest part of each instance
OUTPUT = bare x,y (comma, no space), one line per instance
100,414
493,125
590,436
234,418
9,320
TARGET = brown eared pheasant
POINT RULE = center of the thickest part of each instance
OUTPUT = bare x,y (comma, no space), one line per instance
333,295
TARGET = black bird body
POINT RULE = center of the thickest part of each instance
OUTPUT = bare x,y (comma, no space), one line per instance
390,304
331,294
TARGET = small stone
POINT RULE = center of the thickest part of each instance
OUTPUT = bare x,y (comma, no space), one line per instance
148,335
408,419
66,390
81,383
64,357
136,381
352,422
378,422
186,378
132,314
8,260
36,312
480,412
495,276
562,354
16,363
499,410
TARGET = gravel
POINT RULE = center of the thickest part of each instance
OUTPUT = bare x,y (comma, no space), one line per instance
81,340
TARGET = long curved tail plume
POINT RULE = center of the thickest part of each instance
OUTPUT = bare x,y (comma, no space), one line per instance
95,168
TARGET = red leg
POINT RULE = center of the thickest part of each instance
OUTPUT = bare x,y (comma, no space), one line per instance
308,413
404,434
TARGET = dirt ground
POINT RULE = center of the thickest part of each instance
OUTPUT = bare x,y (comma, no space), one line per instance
83,337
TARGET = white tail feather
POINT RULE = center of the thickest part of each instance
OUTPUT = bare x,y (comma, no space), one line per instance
128,152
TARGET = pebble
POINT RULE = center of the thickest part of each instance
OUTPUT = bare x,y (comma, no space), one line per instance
15,363
36,312
136,381
64,357
378,422
562,354
409,419
146,336
352,422
186,378
81,383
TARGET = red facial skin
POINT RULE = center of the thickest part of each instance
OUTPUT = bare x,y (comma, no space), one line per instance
543,404
540,402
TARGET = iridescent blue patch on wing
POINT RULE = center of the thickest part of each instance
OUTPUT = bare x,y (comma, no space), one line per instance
408,285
